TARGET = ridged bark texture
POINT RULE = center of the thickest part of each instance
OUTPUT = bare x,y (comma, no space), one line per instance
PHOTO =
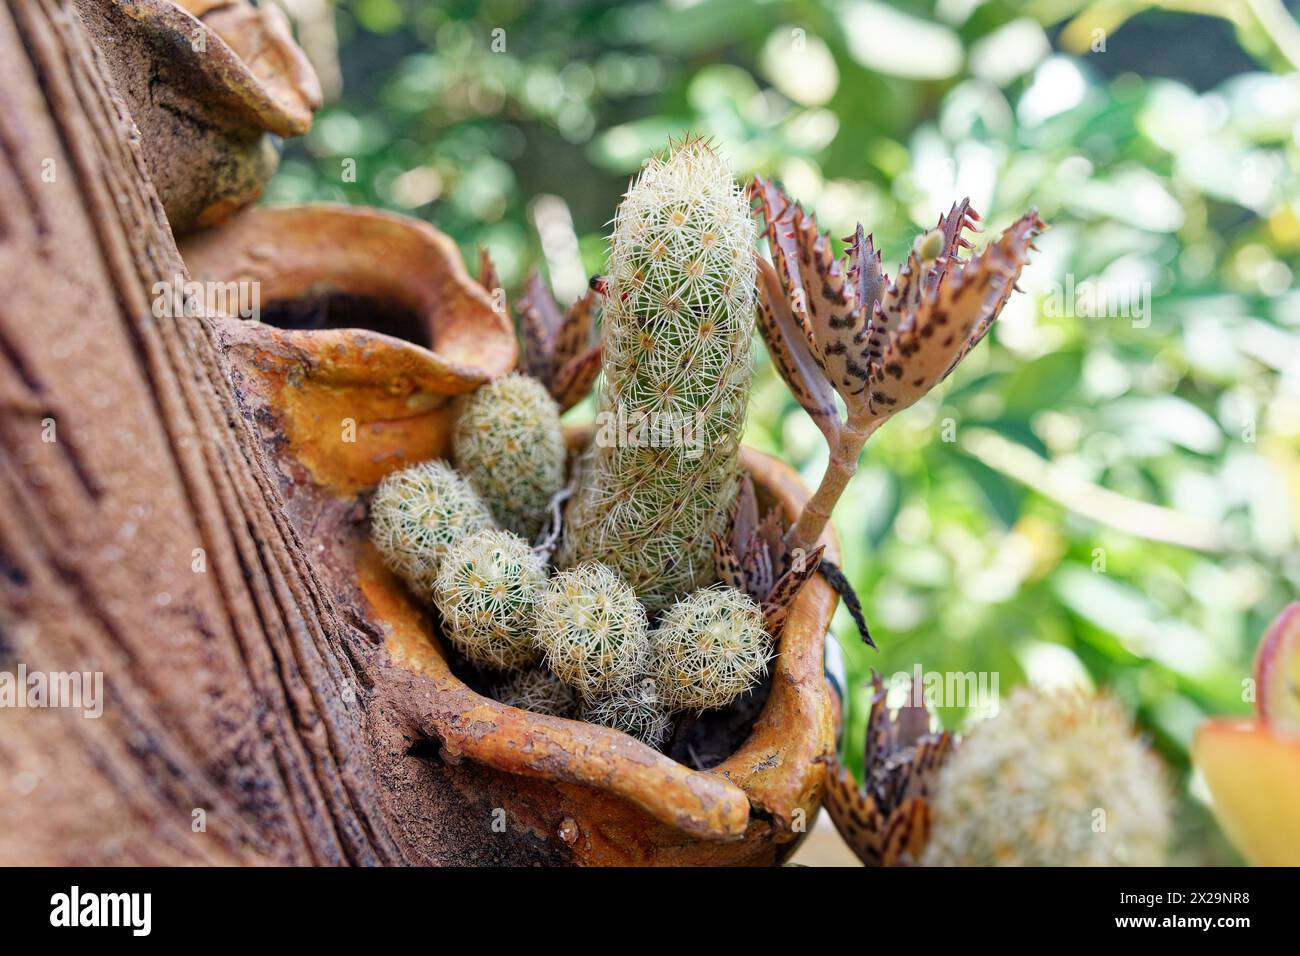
662,470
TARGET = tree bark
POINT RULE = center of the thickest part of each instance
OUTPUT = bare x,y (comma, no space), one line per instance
246,718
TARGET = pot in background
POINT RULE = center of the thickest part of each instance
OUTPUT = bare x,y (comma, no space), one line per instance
208,84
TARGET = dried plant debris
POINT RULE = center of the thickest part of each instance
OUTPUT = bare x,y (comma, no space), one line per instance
560,349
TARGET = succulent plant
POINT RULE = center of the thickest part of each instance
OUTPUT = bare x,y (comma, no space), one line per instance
747,555
881,344
539,691
592,629
635,709
709,648
509,444
661,474
417,513
1052,780
487,590
887,822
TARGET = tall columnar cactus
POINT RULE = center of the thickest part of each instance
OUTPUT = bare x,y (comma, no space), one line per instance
508,443
663,469
1052,780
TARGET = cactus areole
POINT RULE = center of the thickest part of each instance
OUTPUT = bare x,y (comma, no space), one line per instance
663,467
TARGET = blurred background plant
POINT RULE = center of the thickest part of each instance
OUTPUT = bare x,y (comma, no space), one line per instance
1107,492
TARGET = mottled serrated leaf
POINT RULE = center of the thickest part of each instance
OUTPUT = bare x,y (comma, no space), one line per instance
792,354
953,226
1013,247
887,822
577,329
744,513
925,349
784,222
855,816
727,562
787,587
572,382
836,316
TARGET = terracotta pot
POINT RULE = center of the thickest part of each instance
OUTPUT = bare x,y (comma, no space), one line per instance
355,402
207,90
585,794
609,799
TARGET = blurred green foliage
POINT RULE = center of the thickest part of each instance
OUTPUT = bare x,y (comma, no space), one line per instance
1098,494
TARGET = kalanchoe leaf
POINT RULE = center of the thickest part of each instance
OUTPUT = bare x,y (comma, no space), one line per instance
727,563
881,344
557,348
1012,247
576,330
744,515
887,822
792,355
952,227
574,379
783,219
832,309
540,321
865,275
771,531
844,588
900,298
741,555
777,606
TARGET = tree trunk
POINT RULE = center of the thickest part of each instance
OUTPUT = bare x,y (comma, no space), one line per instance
246,718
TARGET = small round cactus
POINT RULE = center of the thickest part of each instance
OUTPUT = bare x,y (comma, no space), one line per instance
509,444
1052,780
635,710
487,590
539,691
709,648
417,514
592,629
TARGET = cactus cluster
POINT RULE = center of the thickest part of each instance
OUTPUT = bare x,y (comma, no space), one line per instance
662,472
592,629
509,444
487,588
1052,780
417,514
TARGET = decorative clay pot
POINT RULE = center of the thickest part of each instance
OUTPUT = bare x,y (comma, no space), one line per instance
586,794
208,83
